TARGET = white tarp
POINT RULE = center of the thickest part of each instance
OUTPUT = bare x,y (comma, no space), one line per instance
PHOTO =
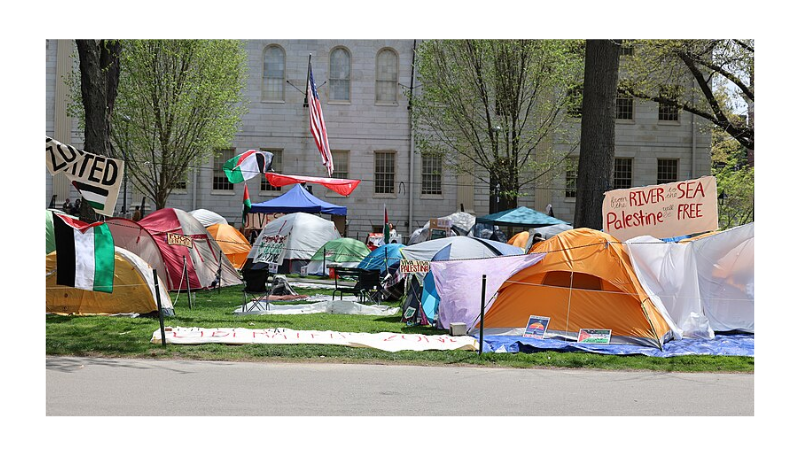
319,304
668,274
207,217
461,220
391,342
705,285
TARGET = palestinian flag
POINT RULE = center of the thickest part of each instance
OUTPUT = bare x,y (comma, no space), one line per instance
249,164
386,231
84,254
246,205
95,195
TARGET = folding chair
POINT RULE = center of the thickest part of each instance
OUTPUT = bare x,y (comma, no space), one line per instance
369,286
255,286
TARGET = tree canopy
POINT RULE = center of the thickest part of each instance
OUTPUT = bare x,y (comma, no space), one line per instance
493,105
691,74
179,101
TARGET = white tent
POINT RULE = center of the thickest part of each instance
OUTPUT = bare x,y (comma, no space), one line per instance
207,217
461,220
292,240
706,285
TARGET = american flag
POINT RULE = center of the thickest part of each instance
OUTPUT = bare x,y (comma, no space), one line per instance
318,123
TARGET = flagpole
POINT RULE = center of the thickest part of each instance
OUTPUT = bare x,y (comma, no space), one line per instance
308,73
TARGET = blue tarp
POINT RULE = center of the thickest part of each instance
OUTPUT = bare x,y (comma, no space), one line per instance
731,345
520,216
298,199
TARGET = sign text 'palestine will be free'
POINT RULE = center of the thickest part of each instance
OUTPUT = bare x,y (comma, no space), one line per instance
662,211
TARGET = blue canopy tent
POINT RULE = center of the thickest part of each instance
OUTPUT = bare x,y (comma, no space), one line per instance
520,216
298,199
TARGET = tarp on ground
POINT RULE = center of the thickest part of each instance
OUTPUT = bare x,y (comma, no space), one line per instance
462,223
520,216
133,290
298,199
344,251
233,243
291,241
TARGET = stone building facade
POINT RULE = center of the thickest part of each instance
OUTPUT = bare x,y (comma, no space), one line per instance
364,87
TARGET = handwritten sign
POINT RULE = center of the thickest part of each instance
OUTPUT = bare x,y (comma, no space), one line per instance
177,239
409,266
271,248
667,210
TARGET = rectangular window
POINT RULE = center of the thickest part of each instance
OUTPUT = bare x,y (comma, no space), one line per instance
667,171
431,174
341,163
623,173
624,107
221,181
386,77
571,183
384,172
277,167
667,113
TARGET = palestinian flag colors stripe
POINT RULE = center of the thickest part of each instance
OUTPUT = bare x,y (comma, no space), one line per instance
249,164
84,254
95,196
246,205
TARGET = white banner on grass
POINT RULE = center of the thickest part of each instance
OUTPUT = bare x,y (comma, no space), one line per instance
391,342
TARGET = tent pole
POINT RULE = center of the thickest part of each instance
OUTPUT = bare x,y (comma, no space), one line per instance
188,288
160,313
483,308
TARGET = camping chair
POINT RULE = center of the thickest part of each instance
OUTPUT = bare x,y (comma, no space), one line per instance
366,287
255,286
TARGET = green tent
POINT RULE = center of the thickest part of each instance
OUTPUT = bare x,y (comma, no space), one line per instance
343,251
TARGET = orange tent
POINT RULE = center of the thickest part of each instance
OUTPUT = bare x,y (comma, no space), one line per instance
585,281
520,239
233,243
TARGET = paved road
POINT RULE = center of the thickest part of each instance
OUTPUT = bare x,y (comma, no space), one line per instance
101,387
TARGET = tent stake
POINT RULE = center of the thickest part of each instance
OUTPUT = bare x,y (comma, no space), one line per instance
160,313
483,307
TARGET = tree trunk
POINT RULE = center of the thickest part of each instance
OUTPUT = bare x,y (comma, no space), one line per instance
596,163
99,67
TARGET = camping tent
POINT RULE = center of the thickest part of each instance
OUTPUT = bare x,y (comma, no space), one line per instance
298,199
207,217
133,290
291,240
344,251
585,281
177,236
520,216
520,239
385,258
462,223
421,294
233,243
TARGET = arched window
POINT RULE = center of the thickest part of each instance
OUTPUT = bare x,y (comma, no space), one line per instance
340,75
274,74
386,77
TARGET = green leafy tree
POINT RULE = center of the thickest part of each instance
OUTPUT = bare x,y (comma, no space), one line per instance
179,101
495,106
709,78
735,181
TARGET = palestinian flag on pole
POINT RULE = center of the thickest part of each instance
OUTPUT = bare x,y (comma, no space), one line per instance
249,164
386,231
246,205
84,254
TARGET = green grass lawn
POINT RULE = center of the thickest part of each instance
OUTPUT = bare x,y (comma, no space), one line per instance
130,337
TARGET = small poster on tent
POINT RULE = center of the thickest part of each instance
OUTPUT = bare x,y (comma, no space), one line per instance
271,248
594,336
537,326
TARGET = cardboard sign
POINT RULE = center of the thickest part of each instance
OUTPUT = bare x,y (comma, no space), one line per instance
594,336
440,223
271,249
537,326
176,239
662,211
408,266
